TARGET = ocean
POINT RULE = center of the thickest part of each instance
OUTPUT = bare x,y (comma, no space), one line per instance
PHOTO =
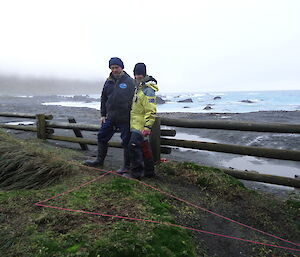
219,102
197,102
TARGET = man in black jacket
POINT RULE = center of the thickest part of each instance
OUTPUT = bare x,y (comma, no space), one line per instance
116,100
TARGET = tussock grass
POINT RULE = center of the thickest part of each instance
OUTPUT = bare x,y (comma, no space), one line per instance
207,178
28,165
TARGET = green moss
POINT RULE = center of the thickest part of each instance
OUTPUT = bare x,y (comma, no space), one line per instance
122,186
294,204
27,230
207,178
124,238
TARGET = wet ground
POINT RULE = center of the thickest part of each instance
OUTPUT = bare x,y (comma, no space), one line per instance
114,159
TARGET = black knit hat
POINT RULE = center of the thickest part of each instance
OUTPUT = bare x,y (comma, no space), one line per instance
140,69
116,61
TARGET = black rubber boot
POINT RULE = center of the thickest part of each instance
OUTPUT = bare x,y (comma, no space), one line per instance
149,168
136,157
102,152
131,175
126,166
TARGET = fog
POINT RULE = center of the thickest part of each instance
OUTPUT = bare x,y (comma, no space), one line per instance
25,85
192,45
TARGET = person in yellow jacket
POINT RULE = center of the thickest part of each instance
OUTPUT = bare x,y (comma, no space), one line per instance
142,117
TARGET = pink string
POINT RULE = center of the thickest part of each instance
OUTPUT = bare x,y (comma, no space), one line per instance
164,223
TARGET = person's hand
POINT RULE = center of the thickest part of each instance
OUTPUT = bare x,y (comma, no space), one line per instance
146,132
102,120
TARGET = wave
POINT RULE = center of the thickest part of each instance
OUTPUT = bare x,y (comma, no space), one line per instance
229,102
93,105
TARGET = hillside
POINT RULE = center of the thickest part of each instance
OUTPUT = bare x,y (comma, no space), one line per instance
95,216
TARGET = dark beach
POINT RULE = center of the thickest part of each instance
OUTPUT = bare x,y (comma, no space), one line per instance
262,165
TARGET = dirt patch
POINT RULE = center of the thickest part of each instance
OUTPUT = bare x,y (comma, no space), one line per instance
239,208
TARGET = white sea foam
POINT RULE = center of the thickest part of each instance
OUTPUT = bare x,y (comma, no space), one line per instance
24,123
230,102
66,95
257,140
198,95
93,105
218,94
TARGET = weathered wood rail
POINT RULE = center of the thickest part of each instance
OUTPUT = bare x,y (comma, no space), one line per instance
266,178
293,155
232,125
235,149
23,115
160,144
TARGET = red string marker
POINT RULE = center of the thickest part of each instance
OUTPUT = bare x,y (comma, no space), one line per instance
163,223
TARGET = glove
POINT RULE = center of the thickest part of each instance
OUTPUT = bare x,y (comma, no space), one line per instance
102,120
146,132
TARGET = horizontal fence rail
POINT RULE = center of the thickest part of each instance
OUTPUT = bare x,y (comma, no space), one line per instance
266,178
65,125
235,149
19,127
81,140
23,115
45,130
90,127
159,144
232,125
165,150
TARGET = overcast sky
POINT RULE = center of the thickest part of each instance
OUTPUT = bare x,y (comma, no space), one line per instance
190,45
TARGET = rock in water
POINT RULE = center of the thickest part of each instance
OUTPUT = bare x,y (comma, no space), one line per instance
188,100
159,100
207,107
247,101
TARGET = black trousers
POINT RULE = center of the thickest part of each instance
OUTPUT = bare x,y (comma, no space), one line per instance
136,154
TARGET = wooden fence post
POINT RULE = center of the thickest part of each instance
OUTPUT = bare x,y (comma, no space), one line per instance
41,126
78,133
155,140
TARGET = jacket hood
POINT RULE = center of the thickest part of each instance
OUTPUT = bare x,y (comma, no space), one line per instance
151,82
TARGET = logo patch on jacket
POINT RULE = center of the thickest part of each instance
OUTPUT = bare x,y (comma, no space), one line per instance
123,85
151,100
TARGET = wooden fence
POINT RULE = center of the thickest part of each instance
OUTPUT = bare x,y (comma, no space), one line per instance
159,143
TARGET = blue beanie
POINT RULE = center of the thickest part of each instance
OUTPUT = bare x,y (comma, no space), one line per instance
116,61
140,69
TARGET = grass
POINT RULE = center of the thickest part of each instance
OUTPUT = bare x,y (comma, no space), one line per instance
39,172
26,165
33,171
225,193
209,178
28,229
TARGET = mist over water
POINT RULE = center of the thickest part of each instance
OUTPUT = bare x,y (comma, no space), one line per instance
18,85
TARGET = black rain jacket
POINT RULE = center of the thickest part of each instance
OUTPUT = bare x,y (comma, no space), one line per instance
116,98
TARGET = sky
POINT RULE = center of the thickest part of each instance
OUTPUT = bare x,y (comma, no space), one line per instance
188,46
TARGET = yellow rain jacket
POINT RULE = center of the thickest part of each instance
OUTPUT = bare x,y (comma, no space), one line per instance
143,110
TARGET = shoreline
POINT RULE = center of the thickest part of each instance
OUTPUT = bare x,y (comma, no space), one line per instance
268,140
